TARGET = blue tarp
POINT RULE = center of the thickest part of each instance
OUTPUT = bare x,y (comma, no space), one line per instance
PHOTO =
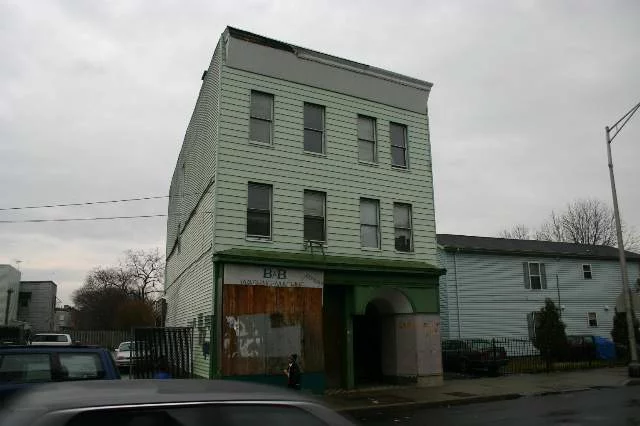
605,348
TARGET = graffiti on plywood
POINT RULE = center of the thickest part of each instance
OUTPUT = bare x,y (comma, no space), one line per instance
254,336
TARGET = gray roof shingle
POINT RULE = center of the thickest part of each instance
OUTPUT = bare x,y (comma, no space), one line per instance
532,247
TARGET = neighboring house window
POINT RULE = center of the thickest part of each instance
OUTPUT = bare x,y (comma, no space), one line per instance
402,226
24,298
592,317
314,216
398,145
369,223
314,128
366,139
259,211
586,272
260,126
531,324
534,275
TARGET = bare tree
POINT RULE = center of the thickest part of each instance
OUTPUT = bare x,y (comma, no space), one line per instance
585,221
518,232
147,270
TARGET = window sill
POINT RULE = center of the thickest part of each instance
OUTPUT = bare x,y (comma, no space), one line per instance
315,154
400,169
406,253
369,163
378,249
258,240
262,144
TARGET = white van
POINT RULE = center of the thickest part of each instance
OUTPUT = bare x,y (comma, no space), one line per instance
51,339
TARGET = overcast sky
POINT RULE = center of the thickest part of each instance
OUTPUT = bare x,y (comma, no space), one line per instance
95,97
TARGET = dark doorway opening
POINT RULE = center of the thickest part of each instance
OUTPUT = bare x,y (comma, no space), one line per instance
367,347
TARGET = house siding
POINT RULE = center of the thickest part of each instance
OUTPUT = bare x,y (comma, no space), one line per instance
493,301
189,270
290,170
39,313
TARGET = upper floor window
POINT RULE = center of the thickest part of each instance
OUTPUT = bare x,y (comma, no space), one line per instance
398,134
402,226
259,211
586,272
367,139
314,128
314,216
261,121
592,318
534,275
369,223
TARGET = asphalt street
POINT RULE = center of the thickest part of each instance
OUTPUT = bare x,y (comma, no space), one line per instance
617,406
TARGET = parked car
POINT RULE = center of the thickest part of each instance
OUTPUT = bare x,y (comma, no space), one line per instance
28,365
167,403
465,356
581,348
128,352
51,339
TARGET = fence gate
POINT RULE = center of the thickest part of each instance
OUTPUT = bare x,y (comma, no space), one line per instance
156,348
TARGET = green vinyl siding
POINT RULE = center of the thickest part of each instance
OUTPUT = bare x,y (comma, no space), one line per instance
290,170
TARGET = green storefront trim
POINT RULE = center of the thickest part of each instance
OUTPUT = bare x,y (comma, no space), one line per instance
330,263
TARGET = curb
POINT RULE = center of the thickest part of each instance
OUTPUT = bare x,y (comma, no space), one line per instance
632,382
413,405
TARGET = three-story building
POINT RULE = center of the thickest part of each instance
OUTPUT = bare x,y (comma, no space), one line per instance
301,220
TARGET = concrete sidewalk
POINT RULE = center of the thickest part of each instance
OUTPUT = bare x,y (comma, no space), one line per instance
484,389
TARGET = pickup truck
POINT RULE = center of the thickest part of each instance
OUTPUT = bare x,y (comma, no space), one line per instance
25,366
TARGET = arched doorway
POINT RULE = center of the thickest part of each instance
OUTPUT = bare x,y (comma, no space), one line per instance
374,336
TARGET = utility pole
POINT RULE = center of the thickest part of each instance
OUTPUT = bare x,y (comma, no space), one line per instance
634,367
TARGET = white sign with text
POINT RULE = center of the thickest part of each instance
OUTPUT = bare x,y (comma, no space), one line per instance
272,276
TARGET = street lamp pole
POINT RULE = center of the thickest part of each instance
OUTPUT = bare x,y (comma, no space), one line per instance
634,367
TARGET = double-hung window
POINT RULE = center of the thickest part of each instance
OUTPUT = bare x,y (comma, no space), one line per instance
369,223
259,211
261,121
367,139
586,272
535,277
402,227
314,128
315,216
398,133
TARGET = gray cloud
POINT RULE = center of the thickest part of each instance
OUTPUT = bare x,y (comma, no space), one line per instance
95,98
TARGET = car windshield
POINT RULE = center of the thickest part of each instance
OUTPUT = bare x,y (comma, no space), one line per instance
49,338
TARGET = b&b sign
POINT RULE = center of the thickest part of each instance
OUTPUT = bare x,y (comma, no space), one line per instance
272,276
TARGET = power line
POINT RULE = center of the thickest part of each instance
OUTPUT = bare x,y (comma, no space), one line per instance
87,203
83,219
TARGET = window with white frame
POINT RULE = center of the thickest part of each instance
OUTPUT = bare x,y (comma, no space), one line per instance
367,139
586,272
369,223
314,216
398,134
402,227
314,128
259,211
592,318
534,275
261,120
